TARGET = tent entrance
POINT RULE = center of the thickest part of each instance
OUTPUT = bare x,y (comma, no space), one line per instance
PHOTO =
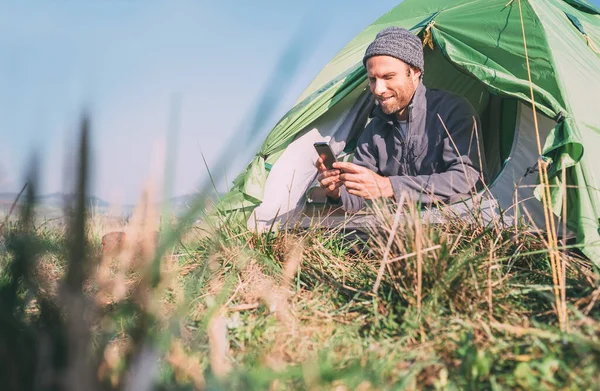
507,133
509,139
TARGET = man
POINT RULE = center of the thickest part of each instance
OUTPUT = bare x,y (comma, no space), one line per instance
420,142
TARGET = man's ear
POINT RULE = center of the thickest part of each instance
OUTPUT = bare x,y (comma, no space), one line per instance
416,72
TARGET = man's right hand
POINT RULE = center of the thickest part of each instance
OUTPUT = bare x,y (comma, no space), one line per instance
329,180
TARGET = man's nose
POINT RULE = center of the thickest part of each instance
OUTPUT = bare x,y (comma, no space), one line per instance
379,87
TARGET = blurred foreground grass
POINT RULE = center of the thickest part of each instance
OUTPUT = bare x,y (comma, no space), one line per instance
457,306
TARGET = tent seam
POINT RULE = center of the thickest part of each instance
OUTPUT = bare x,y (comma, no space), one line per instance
558,80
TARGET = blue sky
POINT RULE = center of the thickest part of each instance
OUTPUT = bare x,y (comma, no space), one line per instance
124,61
127,61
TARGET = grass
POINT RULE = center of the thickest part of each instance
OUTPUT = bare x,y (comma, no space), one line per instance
458,306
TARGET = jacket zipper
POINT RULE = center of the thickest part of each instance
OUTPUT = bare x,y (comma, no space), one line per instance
405,143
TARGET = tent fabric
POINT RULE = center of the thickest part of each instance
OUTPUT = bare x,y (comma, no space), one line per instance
483,41
514,187
295,169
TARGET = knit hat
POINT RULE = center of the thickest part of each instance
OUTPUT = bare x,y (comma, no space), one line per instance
399,43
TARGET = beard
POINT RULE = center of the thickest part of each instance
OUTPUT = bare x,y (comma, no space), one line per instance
399,100
391,107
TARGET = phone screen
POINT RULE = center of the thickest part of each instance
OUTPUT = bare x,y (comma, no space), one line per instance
325,153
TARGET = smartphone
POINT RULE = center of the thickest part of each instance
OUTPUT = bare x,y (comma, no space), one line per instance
325,153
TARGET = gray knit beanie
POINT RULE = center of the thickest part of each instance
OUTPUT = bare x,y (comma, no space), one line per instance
397,42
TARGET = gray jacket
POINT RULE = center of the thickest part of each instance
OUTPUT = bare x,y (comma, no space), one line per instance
427,165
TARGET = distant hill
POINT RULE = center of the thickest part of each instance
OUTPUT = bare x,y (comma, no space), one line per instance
54,200
186,200
60,200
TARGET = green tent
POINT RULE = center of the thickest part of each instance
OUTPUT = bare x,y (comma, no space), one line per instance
474,48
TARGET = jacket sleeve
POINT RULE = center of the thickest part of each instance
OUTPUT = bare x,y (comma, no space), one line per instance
460,156
364,156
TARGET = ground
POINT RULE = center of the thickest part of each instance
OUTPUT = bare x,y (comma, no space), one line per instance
447,307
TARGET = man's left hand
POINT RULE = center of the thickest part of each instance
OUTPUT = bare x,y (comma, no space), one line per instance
363,182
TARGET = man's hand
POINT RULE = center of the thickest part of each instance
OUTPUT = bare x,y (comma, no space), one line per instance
363,182
329,180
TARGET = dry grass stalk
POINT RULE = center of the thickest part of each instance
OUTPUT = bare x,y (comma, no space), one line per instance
277,296
219,346
490,287
114,354
131,251
170,270
244,307
292,263
418,244
553,243
390,241
403,257
546,199
12,207
563,258
186,367
492,262
521,331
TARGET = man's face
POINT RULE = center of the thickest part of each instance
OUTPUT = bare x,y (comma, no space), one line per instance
392,82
